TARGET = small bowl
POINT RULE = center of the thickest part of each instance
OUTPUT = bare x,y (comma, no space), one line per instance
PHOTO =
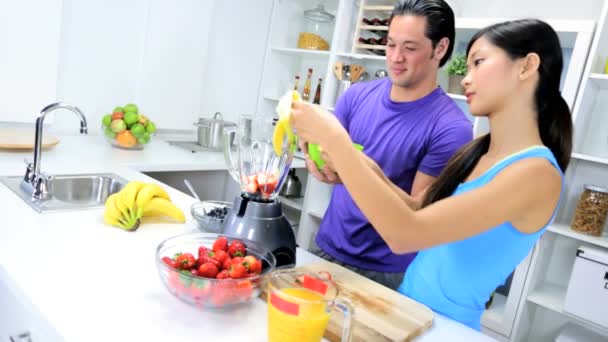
205,293
206,223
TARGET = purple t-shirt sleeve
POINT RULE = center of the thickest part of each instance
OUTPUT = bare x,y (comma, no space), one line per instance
443,144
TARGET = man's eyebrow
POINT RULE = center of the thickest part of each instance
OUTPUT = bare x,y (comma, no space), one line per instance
405,42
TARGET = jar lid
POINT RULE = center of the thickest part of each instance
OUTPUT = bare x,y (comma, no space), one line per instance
596,188
319,14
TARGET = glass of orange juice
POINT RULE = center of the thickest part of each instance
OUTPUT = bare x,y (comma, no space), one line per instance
299,306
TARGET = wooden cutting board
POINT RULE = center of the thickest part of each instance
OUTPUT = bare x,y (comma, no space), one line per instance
23,139
381,314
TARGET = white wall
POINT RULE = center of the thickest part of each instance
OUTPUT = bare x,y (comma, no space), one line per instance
177,60
236,57
554,9
29,56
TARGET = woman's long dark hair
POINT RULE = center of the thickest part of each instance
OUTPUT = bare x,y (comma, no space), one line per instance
518,38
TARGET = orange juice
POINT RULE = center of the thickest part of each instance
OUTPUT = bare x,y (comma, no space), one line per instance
296,315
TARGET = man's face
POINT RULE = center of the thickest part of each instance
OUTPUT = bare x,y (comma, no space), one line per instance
409,53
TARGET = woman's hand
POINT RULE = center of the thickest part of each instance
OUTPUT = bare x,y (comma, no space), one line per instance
315,125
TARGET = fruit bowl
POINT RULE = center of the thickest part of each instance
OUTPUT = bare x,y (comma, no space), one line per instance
210,215
204,292
126,128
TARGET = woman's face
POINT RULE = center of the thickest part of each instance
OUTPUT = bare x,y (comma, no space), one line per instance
491,79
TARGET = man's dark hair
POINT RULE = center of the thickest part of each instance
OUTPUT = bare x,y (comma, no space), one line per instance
439,20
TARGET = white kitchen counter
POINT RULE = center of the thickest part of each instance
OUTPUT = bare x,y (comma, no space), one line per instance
92,282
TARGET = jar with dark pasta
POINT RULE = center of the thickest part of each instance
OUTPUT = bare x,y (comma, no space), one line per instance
591,210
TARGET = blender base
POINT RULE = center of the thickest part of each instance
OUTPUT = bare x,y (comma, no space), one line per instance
264,223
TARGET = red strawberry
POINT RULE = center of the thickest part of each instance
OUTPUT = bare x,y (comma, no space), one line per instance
185,261
248,261
170,262
227,263
256,267
220,244
202,250
237,249
221,256
208,270
237,271
223,275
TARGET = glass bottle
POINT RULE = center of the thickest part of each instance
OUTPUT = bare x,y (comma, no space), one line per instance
317,99
297,83
306,92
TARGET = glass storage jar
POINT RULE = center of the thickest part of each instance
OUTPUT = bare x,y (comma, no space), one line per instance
317,31
591,210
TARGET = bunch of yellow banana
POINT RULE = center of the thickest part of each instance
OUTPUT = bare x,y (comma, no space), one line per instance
125,208
283,128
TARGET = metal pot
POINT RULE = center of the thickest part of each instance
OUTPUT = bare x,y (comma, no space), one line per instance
217,131
293,186
203,131
210,131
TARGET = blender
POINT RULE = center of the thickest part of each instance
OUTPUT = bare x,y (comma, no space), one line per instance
257,213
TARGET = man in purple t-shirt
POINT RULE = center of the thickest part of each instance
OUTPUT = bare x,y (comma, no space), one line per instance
408,126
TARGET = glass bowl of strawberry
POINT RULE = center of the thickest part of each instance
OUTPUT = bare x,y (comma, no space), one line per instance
209,270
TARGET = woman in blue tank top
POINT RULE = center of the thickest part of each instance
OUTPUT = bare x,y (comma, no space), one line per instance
495,197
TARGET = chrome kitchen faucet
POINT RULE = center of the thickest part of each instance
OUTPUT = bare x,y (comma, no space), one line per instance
34,180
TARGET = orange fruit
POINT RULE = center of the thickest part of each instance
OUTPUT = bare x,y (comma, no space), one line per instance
126,139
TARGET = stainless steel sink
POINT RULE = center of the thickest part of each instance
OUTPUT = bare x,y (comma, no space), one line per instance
69,192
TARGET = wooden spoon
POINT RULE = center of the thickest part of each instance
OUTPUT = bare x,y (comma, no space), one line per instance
356,71
338,70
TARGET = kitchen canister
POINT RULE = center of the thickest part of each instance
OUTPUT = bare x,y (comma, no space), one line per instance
591,210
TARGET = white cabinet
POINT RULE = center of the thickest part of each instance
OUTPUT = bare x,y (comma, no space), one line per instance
19,320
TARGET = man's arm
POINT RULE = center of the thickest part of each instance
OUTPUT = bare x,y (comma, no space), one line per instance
419,186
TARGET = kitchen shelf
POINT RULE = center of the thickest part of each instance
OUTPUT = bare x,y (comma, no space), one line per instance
563,229
371,47
295,203
295,51
378,8
373,28
586,157
599,80
316,213
549,296
271,98
361,56
494,315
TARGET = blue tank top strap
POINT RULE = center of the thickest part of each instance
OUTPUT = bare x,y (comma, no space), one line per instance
533,151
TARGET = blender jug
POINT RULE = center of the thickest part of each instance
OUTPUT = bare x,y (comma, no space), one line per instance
252,160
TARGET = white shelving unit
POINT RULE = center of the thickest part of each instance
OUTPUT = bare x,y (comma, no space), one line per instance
532,296
294,203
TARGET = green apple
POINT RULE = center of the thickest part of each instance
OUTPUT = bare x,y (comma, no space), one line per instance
130,108
314,152
118,110
106,120
144,138
130,118
118,126
138,130
150,127
108,132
